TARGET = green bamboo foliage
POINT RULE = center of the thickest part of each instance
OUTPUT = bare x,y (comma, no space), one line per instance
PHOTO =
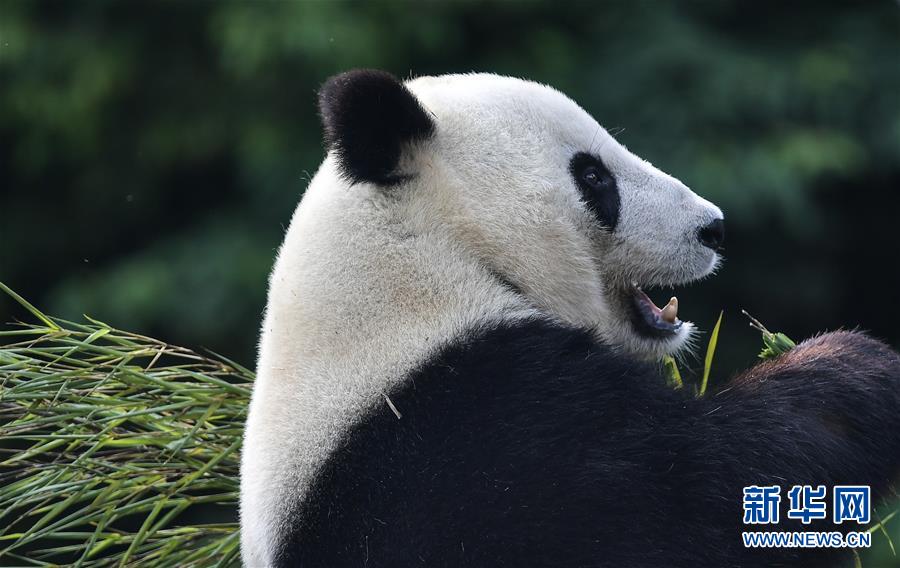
710,354
116,449
774,343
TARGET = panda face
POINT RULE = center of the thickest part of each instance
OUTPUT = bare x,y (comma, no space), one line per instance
530,185
561,210
654,232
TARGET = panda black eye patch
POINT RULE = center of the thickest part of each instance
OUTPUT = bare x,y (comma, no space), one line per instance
598,188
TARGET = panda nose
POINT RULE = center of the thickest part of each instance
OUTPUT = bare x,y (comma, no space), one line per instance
712,235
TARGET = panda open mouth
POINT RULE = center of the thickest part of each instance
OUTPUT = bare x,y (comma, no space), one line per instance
650,320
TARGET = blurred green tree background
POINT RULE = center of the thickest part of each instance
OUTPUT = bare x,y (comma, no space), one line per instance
152,152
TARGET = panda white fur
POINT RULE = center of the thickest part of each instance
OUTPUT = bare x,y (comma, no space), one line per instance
457,369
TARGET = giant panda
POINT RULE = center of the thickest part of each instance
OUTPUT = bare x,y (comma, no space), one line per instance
459,365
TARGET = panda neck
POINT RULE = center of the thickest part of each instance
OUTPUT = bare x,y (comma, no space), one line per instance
355,303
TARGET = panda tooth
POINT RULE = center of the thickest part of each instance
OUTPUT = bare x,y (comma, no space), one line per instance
670,312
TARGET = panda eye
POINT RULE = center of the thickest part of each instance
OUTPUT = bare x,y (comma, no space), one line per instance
593,177
597,187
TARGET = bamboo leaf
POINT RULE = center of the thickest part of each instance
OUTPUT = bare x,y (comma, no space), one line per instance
710,353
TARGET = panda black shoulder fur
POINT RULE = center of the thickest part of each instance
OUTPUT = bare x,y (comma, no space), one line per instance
457,368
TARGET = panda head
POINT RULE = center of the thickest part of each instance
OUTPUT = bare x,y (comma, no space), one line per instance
527,184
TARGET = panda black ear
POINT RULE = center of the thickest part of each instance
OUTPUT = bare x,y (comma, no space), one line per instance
369,116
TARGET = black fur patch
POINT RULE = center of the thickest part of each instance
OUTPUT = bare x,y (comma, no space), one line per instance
602,197
369,117
536,446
